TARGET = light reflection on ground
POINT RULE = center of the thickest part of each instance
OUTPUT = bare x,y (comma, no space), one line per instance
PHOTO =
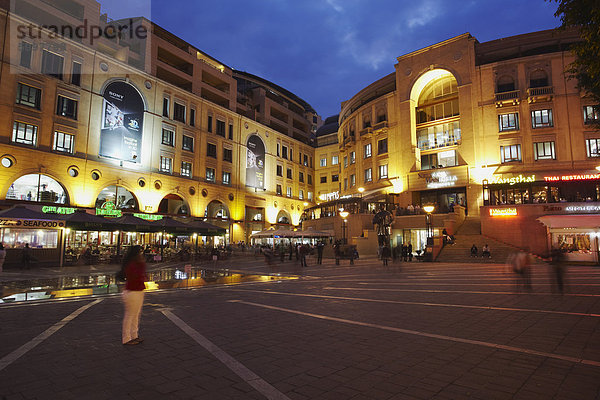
88,285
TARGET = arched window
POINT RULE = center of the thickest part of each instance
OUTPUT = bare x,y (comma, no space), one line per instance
538,78
121,198
505,83
216,209
283,218
37,187
173,204
438,100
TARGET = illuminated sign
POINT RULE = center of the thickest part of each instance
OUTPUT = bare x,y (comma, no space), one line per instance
57,210
501,212
566,178
588,208
108,210
330,196
149,217
440,179
513,180
31,223
255,162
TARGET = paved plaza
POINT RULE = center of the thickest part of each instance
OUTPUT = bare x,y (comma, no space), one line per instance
406,331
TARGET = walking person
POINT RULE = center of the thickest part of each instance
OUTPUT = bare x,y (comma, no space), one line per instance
558,268
320,247
385,254
26,257
302,250
404,252
521,265
409,251
134,268
2,256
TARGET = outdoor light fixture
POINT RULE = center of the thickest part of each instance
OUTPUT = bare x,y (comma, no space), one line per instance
344,214
428,209
361,190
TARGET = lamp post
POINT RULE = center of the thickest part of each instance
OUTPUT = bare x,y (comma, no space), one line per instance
428,209
360,204
344,215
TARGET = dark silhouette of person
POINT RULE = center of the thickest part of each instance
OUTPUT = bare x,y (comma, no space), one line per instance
320,247
26,257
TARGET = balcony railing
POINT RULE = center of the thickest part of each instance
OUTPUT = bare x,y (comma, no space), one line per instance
379,126
432,145
366,131
507,96
540,91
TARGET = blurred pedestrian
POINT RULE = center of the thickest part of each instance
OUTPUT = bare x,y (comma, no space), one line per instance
558,268
26,257
409,251
404,252
474,250
302,252
320,247
134,267
2,256
522,267
385,254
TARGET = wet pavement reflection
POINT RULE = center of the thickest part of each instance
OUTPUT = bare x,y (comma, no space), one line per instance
99,284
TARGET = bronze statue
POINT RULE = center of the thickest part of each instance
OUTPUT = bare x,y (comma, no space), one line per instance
383,221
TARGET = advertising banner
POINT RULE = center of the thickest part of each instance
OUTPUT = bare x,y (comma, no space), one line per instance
122,122
255,163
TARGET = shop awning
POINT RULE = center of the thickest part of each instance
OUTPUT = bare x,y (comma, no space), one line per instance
583,221
203,228
168,224
81,220
279,233
130,223
21,212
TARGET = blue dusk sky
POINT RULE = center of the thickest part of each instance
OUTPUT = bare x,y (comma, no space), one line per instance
325,51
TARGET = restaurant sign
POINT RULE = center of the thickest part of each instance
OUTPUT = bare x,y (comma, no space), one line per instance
513,180
108,210
31,223
329,196
57,210
576,177
503,212
440,179
148,217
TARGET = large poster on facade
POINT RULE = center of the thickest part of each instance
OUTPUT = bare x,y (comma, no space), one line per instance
122,122
255,163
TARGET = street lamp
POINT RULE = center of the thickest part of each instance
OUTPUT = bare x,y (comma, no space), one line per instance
360,204
428,209
344,215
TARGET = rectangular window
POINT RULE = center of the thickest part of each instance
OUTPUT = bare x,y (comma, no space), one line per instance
592,147
301,177
284,153
335,178
66,107
591,114
309,181
352,180
323,162
226,178
63,142
335,160
301,194
279,170
211,150
352,157
166,164
309,195
278,150
52,64
367,152
166,107
291,154
227,155
443,159
168,136
289,191
279,191
26,51
192,117
383,171
186,169
230,132
382,147
310,163
541,118
368,175
209,124
210,174
345,161
290,173
187,143
76,73
544,151
345,183
28,96
510,153
323,179
305,160
24,133
179,112
221,128
508,122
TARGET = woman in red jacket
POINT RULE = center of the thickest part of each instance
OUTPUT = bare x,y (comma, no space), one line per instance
134,267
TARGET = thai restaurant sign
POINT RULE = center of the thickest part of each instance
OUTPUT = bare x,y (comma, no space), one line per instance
503,212
574,177
513,180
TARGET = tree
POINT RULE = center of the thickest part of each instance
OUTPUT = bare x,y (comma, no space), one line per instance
585,15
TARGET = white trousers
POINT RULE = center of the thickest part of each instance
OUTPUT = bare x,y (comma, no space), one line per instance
133,300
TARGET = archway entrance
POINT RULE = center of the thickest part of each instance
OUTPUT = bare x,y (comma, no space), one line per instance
217,214
174,205
284,218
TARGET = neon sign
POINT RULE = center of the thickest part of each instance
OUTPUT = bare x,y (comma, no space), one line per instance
440,179
513,180
566,178
108,210
57,210
149,217
329,196
588,208
503,212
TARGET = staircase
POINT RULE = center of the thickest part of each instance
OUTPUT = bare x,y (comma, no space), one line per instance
468,234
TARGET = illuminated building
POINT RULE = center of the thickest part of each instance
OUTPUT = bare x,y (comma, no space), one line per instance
147,124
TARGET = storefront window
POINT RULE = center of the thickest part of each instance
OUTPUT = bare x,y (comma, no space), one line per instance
122,198
573,242
37,187
40,239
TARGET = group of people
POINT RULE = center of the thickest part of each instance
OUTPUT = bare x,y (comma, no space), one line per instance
299,251
485,251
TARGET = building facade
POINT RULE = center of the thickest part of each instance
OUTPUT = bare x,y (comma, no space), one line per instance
145,124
